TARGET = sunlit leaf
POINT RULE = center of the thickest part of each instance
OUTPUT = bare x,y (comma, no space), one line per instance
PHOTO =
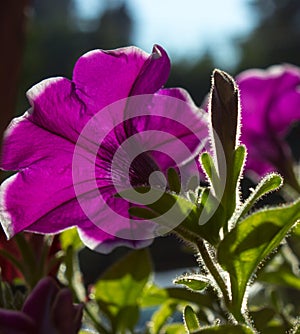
123,283
69,238
127,318
175,328
153,296
239,160
174,181
226,329
283,276
269,183
208,165
192,281
161,316
251,241
190,319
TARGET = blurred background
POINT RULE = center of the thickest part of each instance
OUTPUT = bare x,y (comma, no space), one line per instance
43,38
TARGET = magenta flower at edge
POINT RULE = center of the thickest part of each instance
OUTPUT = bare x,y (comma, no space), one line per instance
48,309
40,144
270,101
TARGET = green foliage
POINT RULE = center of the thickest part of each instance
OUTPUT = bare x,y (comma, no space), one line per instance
226,329
193,282
208,166
269,183
175,328
69,238
174,180
119,290
190,319
251,241
10,299
282,275
161,316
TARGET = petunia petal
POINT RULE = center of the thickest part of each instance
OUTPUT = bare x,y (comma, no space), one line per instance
15,322
27,143
103,242
38,304
40,145
270,101
270,98
127,70
154,73
64,314
57,108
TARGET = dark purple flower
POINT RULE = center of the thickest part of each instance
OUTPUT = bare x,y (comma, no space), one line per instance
40,145
48,309
270,101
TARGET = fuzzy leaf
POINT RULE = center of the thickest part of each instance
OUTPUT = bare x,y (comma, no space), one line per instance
208,165
69,238
251,241
238,160
191,321
282,276
269,183
123,283
174,181
226,329
161,316
175,328
193,282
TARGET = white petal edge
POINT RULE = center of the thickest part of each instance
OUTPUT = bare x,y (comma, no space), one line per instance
5,216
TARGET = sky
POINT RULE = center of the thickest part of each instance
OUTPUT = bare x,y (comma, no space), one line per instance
186,28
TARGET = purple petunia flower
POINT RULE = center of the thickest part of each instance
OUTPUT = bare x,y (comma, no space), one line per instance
47,309
45,196
270,101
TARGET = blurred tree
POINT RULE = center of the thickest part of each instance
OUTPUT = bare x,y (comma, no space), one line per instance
12,29
194,77
115,28
57,36
275,40
276,37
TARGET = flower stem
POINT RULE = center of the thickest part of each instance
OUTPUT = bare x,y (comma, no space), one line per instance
96,323
28,258
213,270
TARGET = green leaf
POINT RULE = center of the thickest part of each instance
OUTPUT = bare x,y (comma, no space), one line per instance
201,299
262,317
69,238
153,296
175,328
269,183
190,319
9,299
123,283
210,170
161,316
238,160
251,241
127,318
283,276
168,210
174,180
231,191
226,329
223,203
193,282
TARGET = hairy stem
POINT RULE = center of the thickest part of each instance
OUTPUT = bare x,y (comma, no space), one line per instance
212,269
